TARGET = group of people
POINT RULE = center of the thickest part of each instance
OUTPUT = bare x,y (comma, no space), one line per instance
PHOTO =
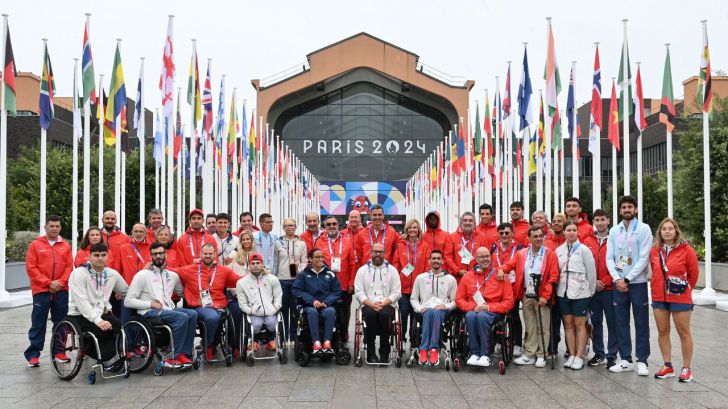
565,271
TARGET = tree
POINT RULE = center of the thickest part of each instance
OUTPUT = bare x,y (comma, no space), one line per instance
654,198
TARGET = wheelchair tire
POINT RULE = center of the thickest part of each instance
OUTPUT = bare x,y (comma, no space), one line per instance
91,379
159,369
68,334
343,357
456,365
250,360
139,337
358,362
229,360
398,361
303,359
196,363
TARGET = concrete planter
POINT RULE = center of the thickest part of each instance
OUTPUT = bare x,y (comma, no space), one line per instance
720,276
15,276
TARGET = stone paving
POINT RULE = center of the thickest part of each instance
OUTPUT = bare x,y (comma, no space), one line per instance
271,385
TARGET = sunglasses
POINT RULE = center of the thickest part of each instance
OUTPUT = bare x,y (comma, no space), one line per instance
504,233
331,224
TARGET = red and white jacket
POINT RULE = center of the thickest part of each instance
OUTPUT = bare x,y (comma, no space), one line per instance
549,273
681,262
498,295
45,263
418,255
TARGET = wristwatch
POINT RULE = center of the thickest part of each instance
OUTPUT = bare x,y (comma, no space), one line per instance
626,280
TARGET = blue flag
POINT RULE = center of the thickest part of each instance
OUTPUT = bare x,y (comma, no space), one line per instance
158,142
524,96
570,104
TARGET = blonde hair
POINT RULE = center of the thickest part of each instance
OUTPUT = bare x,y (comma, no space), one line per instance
407,225
240,258
659,241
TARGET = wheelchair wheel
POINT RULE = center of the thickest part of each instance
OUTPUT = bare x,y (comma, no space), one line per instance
456,364
507,345
303,359
398,361
343,357
68,337
139,345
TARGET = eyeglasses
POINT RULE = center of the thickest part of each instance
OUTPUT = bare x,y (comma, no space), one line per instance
331,224
162,253
504,233
289,225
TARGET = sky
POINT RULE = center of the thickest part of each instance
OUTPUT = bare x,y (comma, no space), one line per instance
473,39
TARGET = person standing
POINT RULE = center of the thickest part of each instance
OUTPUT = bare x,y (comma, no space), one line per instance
292,260
376,232
313,230
552,241
265,243
155,218
92,236
573,210
134,255
628,252
353,226
227,244
434,235
246,247
114,237
520,225
487,227
189,245
211,223
460,247
674,275
246,223
501,253
49,264
164,236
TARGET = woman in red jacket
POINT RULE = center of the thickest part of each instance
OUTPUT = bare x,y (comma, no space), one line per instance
92,236
411,258
164,236
674,274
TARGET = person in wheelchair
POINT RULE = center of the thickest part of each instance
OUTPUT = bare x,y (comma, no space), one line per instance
260,297
433,298
377,288
205,285
318,289
484,299
90,287
150,294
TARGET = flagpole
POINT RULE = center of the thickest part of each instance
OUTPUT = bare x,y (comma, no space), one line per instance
526,148
141,133
163,168
507,162
169,138
625,113
575,140
615,193
640,133
234,164
156,165
539,160
597,154
223,186
180,170
101,116
4,295
87,153
488,176
43,160
117,161
496,164
74,178
193,147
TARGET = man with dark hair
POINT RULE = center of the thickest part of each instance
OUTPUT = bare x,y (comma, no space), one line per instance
434,235
211,223
376,232
48,263
246,223
150,294
155,218
573,210
114,237
313,230
265,243
189,244
602,303
520,225
227,244
628,257
487,227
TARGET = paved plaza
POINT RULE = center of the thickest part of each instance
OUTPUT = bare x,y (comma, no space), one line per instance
270,385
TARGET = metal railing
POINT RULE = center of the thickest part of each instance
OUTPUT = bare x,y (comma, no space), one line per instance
454,80
285,74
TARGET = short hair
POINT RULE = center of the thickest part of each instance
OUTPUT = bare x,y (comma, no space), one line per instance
375,207
505,225
313,251
98,248
264,216
627,199
466,214
485,206
570,223
331,216
436,251
53,218
573,199
153,212
533,229
539,212
207,245
223,216
213,215
600,213
157,245
516,205
245,214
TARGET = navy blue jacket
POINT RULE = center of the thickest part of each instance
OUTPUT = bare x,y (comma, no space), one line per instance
323,287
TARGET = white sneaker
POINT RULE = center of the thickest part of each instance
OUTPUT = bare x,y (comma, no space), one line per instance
524,360
473,360
540,362
517,351
484,361
577,364
642,369
622,366
569,362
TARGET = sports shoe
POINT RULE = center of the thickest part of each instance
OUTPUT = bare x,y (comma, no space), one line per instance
256,346
434,357
326,347
384,357
578,364
642,369
61,357
484,361
423,357
540,362
517,351
623,366
271,345
596,361
317,347
372,358
610,363
473,360
686,375
524,360
665,372
210,353
34,362
569,362
184,360
171,363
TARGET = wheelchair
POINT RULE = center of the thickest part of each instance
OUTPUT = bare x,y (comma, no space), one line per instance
303,345
247,340
502,347
447,341
147,338
395,340
225,338
68,338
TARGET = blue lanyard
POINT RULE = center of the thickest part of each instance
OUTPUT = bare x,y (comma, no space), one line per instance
139,255
99,281
533,258
570,252
485,280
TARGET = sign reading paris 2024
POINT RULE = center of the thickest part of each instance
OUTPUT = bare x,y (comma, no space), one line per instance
358,146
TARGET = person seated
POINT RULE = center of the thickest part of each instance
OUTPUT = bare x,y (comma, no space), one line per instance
484,299
90,287
260,297
433,297
377,287
205,285
318,289
150,294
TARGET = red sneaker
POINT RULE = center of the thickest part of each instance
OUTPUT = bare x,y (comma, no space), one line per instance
210,353
434,356
686,375
34,362
61,357
236,352
423,357
317,347
256,346
271,346
183,359
171,363
665,372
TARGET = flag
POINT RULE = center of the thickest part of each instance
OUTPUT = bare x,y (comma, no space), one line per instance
126,144
460,158
532,154
613,131
138,104
9,74
178,132
541,122
595,125
243,151
252,153
433,174
233,129
87,64
551,75
158,152
556,138
477,143
524,95
47,91
639,103
220,125
166,78
193,89
507,95
207,107
705,92
117,94
625,84
519,159
570,105
667,109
